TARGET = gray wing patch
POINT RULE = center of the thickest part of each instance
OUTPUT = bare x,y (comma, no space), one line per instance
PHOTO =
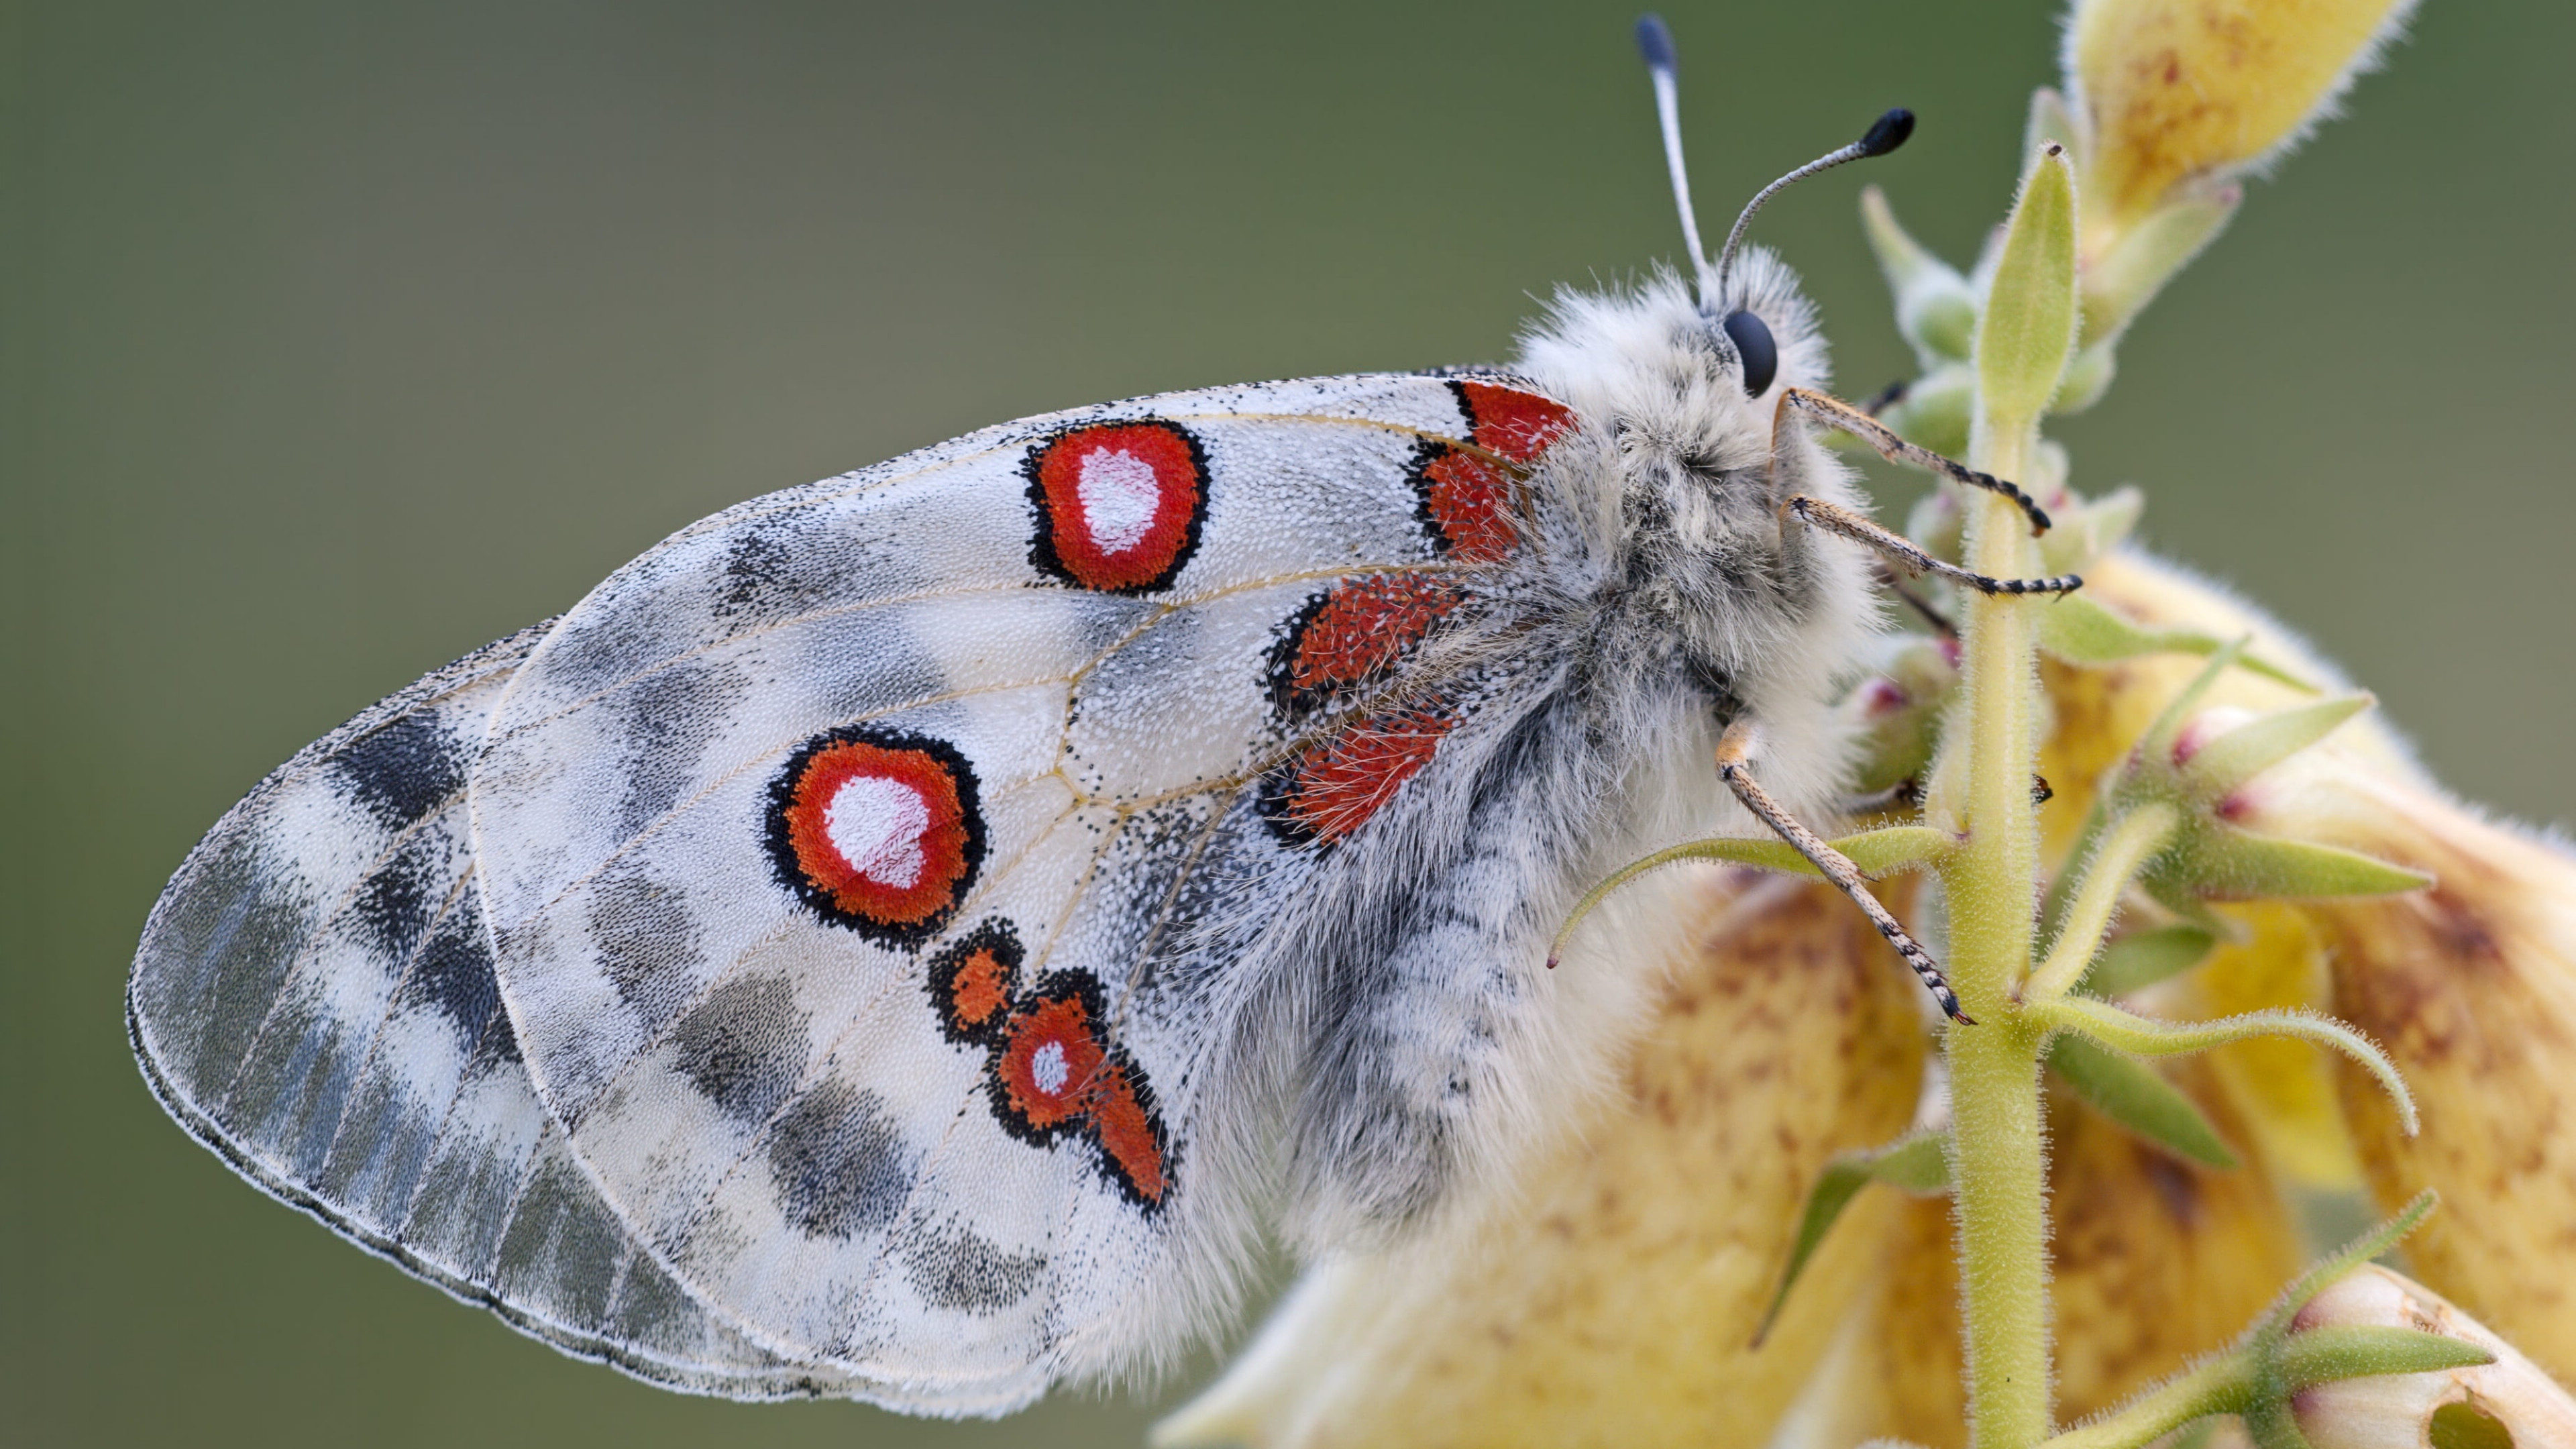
314,1000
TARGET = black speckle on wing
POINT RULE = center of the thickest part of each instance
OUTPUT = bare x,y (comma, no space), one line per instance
837,1161
648,939
668,725
959,1270
403,771
744,1046
313,1001
454,975
396,902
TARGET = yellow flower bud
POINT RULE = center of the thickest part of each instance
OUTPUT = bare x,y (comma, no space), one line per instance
1607,1290
2471,987
2177,91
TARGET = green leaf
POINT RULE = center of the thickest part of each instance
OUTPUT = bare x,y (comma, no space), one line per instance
2080,630
2140,959
2028,326
2329,1352
1934,307
1913,1163
2240,865
2137,1098
2264,741
2147,1037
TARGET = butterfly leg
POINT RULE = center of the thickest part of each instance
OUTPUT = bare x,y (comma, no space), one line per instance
1832,412
1734,752
1817,513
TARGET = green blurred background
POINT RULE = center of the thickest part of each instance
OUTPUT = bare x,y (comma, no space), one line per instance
342,338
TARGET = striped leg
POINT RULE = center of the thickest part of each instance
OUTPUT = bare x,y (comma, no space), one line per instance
1733,749
1817,513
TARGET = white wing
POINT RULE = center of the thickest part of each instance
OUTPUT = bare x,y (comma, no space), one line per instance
314,1000
827,844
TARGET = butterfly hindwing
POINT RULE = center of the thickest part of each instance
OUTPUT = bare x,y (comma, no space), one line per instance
1053,688
314,999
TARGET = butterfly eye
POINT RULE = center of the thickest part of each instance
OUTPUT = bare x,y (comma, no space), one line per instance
1753,344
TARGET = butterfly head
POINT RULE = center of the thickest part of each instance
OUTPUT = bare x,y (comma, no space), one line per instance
1737,317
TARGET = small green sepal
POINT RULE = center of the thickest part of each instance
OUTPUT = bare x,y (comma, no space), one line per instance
2081,630
2364,1350
1916,1163
2264,741
2228,864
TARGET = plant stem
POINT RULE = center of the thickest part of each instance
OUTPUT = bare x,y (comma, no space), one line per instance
2000,1191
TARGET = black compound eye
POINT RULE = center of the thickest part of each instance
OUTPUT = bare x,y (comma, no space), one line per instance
1753,344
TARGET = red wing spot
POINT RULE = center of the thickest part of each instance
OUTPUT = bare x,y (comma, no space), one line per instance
1050,1070
1470,503
980,990
1118,505
1339,785
877,831
1519,425
1357,633
1050,1067
1127,1133
970,982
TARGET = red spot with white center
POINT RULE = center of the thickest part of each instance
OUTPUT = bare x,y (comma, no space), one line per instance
877,831
1119,505
1054,1074
1339,785
1048,1066
1355,634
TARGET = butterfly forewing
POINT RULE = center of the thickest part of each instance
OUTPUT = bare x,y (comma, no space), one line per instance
750,813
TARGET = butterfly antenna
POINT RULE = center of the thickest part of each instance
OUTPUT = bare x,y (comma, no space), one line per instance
1885,134
1655,42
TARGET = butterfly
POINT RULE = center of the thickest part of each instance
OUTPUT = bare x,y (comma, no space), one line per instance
903,937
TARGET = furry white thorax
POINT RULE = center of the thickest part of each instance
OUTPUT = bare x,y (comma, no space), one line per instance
1679,490
1659,598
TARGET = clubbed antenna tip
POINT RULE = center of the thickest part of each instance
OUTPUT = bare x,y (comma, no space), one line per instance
1885,134
1655,43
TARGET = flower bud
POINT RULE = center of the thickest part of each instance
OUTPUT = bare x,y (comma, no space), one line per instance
2507,1404
2471,987
1935,308
2173,92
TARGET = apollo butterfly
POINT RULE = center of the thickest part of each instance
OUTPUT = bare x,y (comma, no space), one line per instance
902,936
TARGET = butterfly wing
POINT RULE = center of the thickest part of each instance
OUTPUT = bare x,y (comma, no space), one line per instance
828,844
314,1000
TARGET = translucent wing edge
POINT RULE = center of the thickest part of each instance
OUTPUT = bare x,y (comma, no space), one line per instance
788,1382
